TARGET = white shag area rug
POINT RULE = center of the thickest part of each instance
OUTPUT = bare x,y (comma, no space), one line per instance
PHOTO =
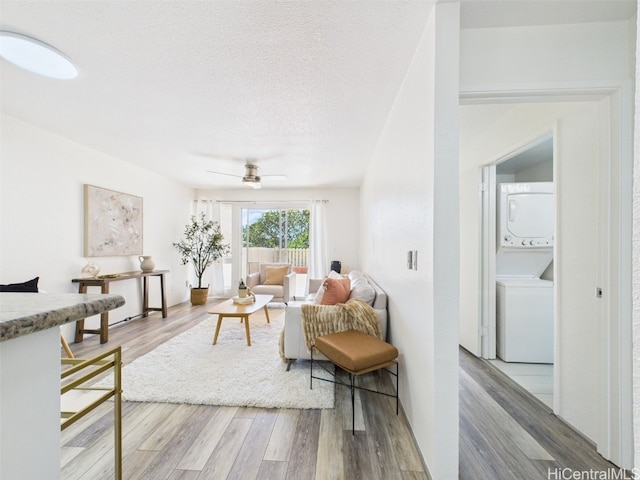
189,369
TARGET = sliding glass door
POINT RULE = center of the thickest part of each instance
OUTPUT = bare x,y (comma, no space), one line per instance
275,235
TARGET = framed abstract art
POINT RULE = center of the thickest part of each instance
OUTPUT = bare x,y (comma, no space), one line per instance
112,223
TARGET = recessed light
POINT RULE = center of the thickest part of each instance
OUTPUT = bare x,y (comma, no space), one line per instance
35,56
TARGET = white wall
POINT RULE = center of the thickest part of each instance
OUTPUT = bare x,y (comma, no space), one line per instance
525,63
404,208
541,57
342,214
42,224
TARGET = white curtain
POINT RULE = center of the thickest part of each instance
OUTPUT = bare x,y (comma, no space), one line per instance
214,275
318,257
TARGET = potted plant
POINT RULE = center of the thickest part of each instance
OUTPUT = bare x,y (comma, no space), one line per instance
242,289
202,245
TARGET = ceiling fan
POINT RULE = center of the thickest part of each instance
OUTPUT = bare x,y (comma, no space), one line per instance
251,177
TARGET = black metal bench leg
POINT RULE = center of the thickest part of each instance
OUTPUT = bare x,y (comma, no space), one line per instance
353,405
397,387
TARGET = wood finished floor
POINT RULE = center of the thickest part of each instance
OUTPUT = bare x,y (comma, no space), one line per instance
504,432
166,441
507,433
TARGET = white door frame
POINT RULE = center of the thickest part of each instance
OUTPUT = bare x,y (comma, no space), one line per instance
615,439
488,261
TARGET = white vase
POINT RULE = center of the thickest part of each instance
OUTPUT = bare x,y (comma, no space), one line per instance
146,263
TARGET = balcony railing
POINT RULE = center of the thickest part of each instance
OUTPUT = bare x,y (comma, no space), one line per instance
298,257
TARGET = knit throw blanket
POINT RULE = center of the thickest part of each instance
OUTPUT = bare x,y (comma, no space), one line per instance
355,314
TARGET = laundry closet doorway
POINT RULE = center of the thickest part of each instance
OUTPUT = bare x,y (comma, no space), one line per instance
516,254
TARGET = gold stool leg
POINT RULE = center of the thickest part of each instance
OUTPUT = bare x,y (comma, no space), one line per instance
65,345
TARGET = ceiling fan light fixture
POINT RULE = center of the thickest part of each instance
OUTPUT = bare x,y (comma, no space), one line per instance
252,181
251,177
36,56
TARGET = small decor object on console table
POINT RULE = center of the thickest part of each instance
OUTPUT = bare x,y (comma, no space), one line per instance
202,245
146,263
90,270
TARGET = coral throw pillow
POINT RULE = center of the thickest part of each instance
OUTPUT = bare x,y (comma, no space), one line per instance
336,291
275,275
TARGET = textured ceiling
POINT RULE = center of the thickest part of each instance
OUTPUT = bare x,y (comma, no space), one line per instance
305,87
182,87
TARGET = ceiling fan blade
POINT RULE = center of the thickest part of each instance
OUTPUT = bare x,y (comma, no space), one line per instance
274,177
223,173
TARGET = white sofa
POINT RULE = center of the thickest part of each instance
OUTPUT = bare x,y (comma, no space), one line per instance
294,344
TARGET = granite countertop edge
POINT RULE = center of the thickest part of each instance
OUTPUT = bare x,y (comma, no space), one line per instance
24,314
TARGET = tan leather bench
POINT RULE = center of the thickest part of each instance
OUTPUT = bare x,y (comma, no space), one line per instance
356,353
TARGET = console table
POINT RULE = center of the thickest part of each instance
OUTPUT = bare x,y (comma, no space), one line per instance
103,282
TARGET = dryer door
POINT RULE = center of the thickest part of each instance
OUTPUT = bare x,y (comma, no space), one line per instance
526,215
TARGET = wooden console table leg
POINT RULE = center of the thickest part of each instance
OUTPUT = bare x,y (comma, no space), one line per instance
104,318
79,331
80,323
145,296
164,297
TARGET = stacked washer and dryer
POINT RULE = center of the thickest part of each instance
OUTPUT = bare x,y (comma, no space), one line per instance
524,303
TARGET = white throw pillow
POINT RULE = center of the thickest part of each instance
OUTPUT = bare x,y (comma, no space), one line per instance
355,275
319,294
362,290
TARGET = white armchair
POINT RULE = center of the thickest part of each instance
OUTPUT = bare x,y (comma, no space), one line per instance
277,279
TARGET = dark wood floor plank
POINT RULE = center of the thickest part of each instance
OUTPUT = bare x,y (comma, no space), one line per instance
302,463
180,441
136,463
381,446
414,475
358,460
270,470
250,456
224,456
184,475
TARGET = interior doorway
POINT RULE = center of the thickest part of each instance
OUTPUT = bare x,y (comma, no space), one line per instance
517,302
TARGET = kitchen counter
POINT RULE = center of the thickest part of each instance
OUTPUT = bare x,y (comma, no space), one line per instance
26,313
30,377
